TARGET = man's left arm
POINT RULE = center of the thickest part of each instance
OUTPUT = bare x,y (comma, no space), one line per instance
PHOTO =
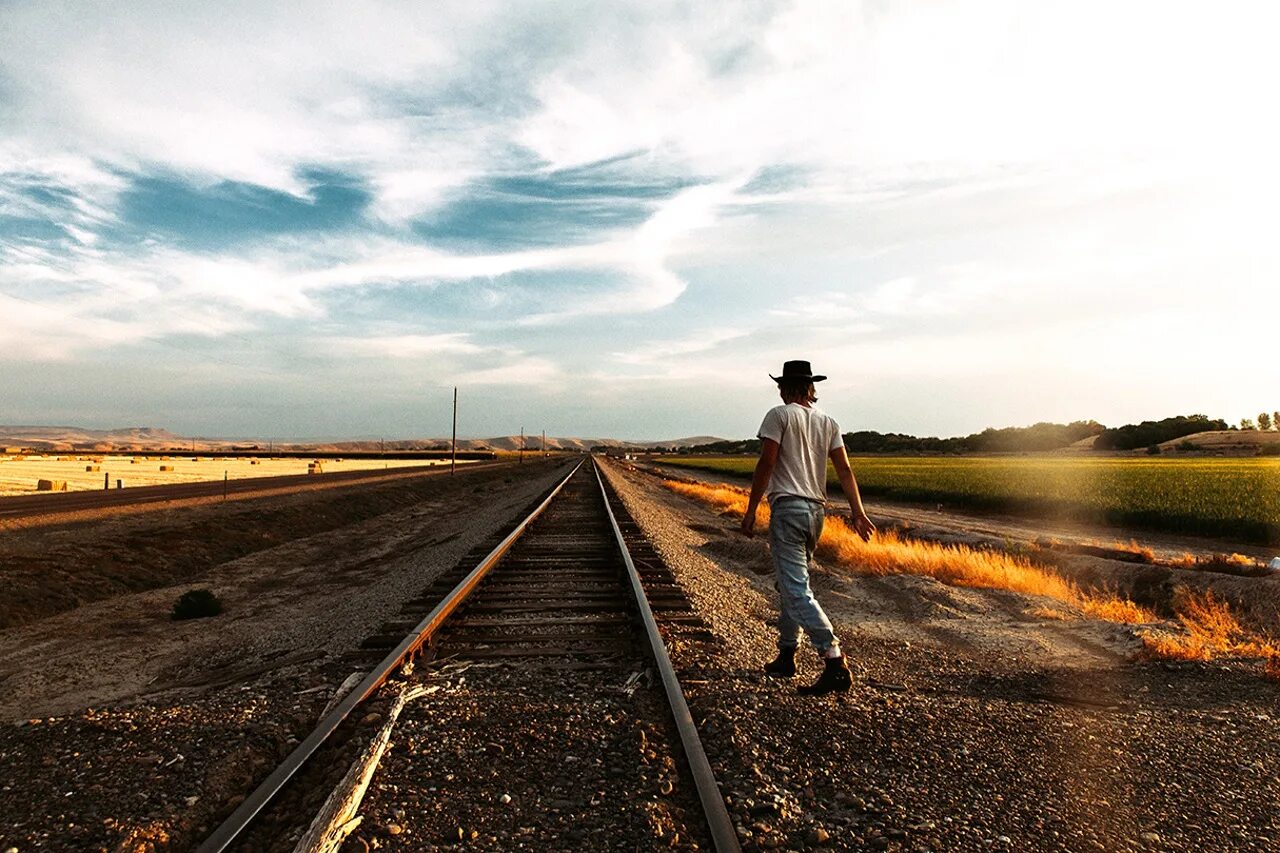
862,524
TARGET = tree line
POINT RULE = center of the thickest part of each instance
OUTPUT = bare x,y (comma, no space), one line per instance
1264,422
1037,437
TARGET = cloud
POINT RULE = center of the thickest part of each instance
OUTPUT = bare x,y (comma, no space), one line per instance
405,346
668,191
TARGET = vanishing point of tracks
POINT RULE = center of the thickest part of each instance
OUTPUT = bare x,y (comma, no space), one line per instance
555,628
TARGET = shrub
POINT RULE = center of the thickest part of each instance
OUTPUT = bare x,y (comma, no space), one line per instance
197,604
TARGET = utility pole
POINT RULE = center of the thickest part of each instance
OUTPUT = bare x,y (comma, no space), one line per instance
521,445
453,453
544,444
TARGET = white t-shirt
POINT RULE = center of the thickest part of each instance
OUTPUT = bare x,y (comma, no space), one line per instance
805,436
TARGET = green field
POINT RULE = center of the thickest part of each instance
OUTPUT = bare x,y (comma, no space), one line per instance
1234,498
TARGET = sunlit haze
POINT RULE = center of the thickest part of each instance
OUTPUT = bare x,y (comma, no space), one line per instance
608,219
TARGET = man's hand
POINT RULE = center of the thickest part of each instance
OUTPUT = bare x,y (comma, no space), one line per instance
863,526
748,527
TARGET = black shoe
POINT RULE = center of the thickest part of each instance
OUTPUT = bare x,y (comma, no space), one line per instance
835,677
784,665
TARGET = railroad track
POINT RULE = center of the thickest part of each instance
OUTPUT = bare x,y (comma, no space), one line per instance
551,653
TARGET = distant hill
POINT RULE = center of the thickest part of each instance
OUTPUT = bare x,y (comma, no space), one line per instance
72,438
531,443
68,438
1233,442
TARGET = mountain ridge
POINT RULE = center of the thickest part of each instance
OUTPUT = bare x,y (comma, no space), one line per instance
66,438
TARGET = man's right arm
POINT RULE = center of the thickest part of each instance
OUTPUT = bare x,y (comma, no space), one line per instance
759,482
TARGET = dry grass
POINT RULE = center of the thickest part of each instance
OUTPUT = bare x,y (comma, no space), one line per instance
1210,630
1272,668
1142,552
1239,565
958,565
1051,613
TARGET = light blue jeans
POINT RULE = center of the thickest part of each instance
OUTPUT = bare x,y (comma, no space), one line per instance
794,527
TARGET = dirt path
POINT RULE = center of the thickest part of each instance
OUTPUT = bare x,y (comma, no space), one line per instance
907,608
300,600
986,528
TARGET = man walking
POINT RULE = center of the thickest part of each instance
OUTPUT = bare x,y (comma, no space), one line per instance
796,440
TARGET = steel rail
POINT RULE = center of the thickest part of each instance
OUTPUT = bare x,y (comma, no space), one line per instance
236,823
723,835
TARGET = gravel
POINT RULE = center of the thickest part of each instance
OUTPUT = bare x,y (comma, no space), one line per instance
942,747
186,717
509,759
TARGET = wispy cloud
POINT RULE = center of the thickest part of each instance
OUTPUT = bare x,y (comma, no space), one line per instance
669,192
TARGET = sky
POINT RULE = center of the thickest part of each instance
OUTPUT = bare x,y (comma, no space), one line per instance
616,219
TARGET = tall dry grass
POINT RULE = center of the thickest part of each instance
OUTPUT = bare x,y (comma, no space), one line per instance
1210,630
888,553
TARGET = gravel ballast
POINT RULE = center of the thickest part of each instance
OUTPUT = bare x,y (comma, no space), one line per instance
957,746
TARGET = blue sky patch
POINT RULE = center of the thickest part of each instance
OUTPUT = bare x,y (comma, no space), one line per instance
230,212
527,211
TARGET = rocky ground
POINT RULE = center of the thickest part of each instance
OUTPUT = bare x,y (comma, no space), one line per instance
122,729
505,758
972,726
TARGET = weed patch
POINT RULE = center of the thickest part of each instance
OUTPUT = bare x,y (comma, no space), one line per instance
196,604
1210,630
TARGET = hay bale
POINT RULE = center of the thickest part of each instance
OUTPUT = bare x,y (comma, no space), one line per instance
255,461
166,467
51,485
135,461
315,468
93,467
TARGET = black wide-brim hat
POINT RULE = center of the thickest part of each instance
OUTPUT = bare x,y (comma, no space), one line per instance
797,370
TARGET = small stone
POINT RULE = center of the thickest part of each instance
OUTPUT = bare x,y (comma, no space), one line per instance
1150,837
818,835
504,799
394,829
371,717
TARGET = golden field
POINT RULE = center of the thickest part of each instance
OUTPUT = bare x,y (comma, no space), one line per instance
19,474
